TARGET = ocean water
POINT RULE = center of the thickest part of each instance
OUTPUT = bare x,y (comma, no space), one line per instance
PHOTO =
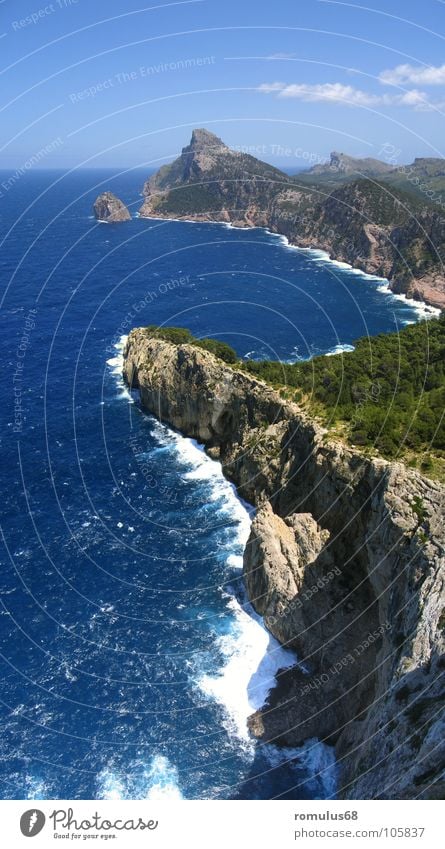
130,657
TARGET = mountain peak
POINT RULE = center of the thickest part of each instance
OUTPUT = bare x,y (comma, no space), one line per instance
337,158
203,139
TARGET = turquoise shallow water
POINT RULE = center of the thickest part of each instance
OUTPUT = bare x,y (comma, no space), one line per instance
130,657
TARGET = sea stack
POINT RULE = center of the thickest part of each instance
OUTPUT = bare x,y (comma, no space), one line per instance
107,207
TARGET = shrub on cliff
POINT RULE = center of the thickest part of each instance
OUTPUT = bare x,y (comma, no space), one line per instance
182,336
220,349
390,390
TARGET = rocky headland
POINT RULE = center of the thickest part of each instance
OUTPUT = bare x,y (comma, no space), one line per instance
381,219
107,207
345,562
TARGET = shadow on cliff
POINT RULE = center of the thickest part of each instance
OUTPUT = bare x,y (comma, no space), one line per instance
283,780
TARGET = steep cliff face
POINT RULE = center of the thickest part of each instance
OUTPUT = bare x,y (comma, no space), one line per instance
108,207
211,182
362,219
345,561
375,227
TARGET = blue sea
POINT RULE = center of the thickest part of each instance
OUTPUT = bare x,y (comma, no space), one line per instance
130,656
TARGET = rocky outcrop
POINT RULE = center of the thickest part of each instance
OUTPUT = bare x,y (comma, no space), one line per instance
211,182
371,227
108,207
358,210
363,219
345,561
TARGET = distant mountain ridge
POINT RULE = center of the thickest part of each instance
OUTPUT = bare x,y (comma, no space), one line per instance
383,219
350,165
420,176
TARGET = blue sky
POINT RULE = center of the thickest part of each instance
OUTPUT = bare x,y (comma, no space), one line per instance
122,83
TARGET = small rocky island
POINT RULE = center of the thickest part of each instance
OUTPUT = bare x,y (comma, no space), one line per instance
107,207
345,562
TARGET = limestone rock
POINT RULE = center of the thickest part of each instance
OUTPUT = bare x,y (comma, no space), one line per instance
339,563
107,207
353,213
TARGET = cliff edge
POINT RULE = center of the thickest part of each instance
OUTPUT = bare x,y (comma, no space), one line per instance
345,562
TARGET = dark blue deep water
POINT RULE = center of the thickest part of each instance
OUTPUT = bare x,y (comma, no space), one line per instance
129,656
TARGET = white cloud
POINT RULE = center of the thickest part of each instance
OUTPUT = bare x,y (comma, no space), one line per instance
416,99
327,92
347,95
414,75
269,88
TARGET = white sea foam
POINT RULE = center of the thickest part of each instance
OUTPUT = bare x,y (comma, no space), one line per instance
200,467
339,349
110,787
252,657
162,780
422,310
35,788
116,364
319,761
158,780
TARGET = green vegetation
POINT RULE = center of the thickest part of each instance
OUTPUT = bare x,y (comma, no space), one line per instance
387,395
190,200
377,202
419,509
182,336
226,180
220,349
424,178
389,392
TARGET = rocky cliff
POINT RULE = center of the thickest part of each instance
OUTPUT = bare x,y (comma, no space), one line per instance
379,226
211,182
108,207
345,561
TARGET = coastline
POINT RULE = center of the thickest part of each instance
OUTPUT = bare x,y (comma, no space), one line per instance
357,515
251,658
425,308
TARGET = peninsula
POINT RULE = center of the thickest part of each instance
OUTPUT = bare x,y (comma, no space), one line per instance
345,562
384,220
